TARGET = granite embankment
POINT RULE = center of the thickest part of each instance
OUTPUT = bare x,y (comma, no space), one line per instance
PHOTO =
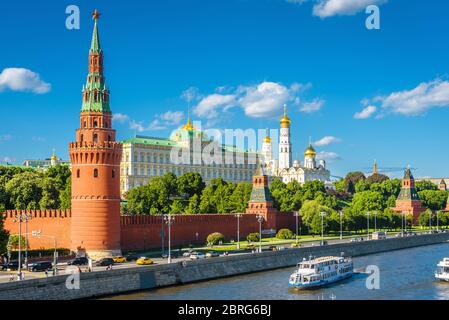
125,280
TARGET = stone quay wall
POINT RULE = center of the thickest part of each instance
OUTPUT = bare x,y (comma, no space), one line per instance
118,281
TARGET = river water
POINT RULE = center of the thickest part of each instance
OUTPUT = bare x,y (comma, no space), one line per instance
404,274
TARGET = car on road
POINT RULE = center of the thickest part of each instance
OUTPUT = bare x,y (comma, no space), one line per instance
12,265
357,239
250,247
105,262
212,254
79,261
187,253
197,255
40,266
379,235
295,245
119,259
131,257
144,261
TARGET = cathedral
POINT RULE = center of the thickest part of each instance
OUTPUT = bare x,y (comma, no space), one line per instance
287,169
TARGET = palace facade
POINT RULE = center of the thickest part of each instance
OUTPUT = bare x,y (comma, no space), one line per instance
146,157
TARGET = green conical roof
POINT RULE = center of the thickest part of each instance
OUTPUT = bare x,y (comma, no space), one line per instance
95,44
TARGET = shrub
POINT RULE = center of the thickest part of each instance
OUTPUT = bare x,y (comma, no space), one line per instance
253,237
215,238
285,234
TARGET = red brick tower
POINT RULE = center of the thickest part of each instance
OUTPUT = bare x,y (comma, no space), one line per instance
95,158
261,201
408,201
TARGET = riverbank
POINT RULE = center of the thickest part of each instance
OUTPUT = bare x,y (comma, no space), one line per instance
134,279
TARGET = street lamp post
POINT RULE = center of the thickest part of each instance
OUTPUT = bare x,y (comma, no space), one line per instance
402,224
430,221
169,221
260,219
238,216
375,221
55,253
367,225
341,224
297,225
22,217
322,214
438,223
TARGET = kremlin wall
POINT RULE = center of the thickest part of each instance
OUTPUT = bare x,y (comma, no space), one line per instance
144,232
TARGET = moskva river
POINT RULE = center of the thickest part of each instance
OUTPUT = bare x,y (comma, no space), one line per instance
405,274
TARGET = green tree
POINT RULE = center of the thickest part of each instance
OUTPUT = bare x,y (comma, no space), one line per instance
3,233
433,199
65,195
238,201
190,184
425,185
352,178
285,234
177,207
14,240
215,238
194,205
424,218
377,178
25,190
253,237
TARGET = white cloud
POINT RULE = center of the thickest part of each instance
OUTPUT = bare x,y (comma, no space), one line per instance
5,137
160,122
208,106
20,79
325,141
38,139
313,106
172,117
419,100
325,155
329,8
262,100
120,117
365,113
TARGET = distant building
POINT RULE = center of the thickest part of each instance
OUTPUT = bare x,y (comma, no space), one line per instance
408,201
146,157
442,183
45,163
289,170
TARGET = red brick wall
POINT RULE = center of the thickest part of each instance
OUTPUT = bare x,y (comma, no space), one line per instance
50,222
144,232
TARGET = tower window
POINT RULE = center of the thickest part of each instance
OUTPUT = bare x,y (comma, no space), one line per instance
95,138
78,173
113,173
95,173
82,138
95,124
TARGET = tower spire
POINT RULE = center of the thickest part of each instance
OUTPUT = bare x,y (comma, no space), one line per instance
95,44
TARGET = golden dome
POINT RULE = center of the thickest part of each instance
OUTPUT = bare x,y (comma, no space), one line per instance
267,139
285,121
310,151
53,157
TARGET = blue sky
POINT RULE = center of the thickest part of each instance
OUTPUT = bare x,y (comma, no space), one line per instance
239,61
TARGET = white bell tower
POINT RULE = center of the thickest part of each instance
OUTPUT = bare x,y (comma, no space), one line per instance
285,146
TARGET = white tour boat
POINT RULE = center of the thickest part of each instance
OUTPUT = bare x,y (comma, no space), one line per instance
321,271
442,272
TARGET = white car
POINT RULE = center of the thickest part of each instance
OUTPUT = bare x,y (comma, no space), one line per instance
197,255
